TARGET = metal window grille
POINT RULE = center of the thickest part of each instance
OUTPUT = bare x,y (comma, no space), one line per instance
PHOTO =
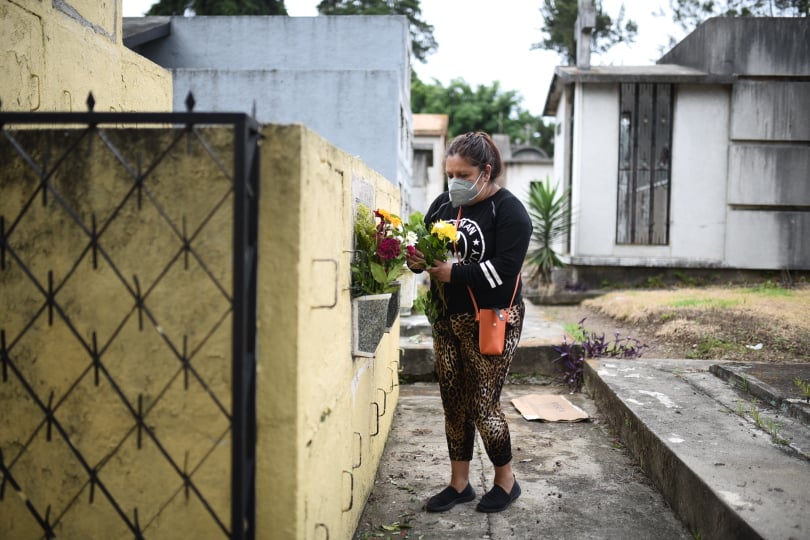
645,134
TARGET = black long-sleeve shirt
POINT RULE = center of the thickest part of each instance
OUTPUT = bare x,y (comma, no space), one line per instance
495,235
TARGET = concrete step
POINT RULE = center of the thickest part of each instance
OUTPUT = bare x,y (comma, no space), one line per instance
724,473
535,355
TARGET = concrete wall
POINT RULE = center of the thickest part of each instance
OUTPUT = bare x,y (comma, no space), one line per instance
431,177
323,415
345,77
759,46
520,174
699,174
769,175
55,53
594,170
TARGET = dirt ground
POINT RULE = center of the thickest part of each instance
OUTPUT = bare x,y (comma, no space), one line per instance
761,323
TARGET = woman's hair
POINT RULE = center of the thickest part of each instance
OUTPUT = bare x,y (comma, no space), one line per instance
478,149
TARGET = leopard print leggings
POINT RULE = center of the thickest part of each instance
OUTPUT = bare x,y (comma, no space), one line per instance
471,384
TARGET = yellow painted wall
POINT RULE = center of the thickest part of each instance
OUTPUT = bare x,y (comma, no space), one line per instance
54,54
323,415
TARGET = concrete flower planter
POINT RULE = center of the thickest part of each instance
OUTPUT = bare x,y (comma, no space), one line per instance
369,315
393,309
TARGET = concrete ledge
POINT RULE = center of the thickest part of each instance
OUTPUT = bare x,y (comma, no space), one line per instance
722,476
535,355
418,360
747,376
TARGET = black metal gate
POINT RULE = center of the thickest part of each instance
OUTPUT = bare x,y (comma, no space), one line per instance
112,261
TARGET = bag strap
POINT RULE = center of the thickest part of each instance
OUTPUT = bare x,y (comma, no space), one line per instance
472,296
512,301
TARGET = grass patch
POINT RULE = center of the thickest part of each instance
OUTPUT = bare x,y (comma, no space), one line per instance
771,427
664,317
769,288
721,303
709,347
804,388
575,331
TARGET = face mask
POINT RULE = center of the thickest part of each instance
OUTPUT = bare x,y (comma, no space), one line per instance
461,192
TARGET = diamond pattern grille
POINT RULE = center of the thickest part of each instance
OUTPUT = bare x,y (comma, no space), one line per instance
120,288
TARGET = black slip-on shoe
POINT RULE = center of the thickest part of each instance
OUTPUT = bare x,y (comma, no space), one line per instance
448,498
497,499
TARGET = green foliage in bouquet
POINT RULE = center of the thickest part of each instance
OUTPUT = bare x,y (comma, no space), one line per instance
434,246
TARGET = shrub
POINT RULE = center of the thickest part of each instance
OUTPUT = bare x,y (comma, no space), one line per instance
588,344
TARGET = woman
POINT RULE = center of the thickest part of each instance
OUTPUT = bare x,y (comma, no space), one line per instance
495,230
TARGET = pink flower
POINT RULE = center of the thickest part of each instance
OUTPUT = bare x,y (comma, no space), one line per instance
411,250
388,249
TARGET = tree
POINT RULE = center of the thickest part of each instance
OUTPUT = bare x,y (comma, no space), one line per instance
422,41
486,108
219,7
559,19
690,13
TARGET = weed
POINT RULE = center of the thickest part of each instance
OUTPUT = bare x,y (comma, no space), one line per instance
591,345
755,414
744,385
685,279
421,301
804,388
771,427
696,535
704,302
769,288
575,331
666,317
656,282
396,526
708,348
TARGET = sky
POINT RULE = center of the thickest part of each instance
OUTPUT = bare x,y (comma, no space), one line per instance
482,44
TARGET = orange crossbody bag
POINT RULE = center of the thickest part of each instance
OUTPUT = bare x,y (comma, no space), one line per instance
491,321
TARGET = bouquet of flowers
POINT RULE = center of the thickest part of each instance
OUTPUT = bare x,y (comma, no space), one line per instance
379,257
434,246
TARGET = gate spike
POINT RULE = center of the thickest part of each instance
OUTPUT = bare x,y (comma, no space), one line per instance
190,101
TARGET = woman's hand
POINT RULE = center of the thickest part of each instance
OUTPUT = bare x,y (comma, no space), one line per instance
416,261
441,271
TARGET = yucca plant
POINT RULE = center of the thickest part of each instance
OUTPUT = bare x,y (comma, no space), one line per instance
551,219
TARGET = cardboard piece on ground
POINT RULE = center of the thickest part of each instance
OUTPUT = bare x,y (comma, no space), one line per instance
549,408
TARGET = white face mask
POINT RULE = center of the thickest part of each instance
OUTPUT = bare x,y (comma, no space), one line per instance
461,192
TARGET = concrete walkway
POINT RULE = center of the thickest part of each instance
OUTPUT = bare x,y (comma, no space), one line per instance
674,449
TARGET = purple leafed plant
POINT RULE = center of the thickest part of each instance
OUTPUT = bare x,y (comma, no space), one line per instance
592,345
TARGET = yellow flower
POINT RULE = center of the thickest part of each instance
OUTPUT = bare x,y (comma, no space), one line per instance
388,217
445,231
